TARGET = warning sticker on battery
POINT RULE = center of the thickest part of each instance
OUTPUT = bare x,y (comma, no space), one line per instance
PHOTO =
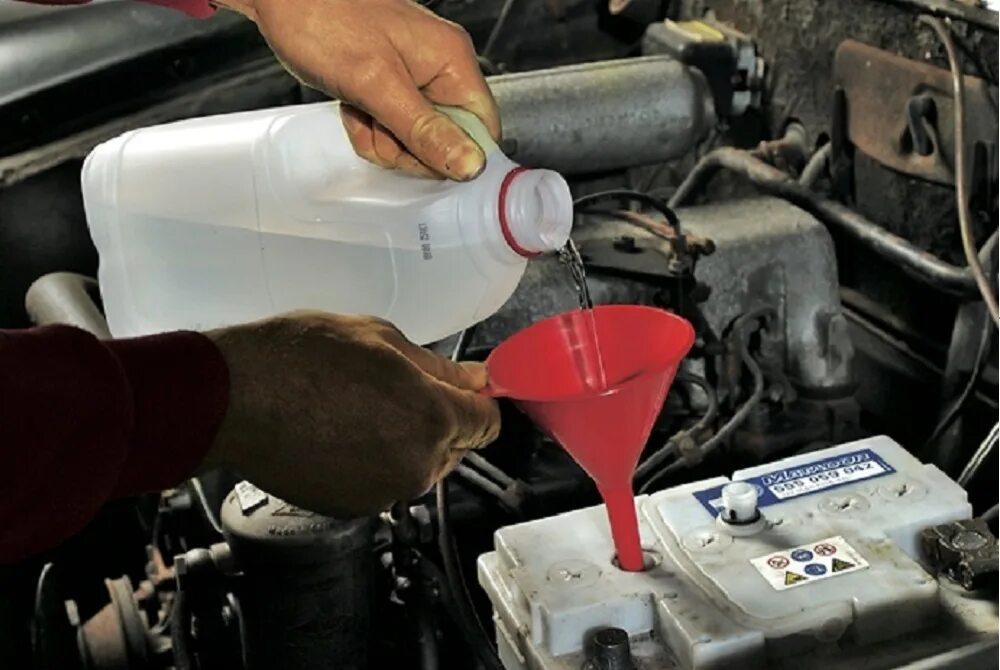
806,479
809,563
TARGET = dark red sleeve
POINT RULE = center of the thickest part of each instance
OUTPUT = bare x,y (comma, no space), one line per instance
83,421
199,9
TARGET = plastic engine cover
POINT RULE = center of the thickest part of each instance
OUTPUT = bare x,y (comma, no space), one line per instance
833,559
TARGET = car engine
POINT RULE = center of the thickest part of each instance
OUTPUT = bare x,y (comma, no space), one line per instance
819,490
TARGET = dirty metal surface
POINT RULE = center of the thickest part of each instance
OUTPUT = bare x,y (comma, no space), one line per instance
767,253
960,10
608,115
798,39
900,111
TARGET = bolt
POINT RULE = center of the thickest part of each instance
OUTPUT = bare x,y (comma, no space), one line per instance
968,540
611,650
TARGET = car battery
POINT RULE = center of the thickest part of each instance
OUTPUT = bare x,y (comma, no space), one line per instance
801,563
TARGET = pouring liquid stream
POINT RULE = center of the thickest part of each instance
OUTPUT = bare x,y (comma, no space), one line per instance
588,352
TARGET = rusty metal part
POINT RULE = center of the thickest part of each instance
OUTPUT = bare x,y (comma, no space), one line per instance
966,551
961,165
788,152
899,111
696,244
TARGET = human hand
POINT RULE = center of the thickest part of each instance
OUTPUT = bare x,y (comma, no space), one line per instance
343,415
390,61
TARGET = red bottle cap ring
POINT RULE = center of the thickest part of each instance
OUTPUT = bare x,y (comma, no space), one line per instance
502,211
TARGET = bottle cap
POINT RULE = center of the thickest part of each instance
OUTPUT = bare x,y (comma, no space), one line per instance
536,211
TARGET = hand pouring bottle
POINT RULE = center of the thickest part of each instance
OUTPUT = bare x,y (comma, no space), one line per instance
225,219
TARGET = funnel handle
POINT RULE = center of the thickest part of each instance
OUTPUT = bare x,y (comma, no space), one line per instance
620,504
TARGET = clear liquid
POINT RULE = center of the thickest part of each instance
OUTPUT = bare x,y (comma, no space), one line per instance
590,363
570,255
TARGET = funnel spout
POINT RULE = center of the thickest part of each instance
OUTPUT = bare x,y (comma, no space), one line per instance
620,504
597,397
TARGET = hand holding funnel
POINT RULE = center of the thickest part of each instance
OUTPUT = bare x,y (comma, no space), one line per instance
597,396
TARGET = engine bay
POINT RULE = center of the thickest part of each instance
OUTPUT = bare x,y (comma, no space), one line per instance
844,363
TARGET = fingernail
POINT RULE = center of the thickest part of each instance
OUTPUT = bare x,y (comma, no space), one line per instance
465,161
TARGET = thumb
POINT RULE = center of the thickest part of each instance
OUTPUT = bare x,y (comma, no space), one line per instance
477,417
467,376
396,103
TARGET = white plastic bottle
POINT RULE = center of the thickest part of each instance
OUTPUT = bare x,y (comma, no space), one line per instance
220,220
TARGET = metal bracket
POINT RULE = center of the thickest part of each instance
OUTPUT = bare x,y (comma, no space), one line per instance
899,111
966,551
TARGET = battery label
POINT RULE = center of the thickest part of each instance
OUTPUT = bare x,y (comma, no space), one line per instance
809,563
806,479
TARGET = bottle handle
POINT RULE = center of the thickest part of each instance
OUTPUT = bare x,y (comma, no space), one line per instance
472,126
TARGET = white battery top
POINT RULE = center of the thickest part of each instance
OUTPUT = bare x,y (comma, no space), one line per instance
834,558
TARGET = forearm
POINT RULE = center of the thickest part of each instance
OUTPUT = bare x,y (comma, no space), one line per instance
82,422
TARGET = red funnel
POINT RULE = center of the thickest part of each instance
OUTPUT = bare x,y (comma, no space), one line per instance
553,372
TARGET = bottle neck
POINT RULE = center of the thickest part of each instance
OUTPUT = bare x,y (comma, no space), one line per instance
534,210
503,206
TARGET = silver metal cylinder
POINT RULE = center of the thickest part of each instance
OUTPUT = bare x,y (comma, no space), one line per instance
603,116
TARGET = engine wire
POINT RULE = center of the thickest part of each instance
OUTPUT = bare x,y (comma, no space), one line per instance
493,471
961,180
636,196
817,164
206,508
497,28
758,382
667,469
979,457
466,618
465,611
741,414
480,481
637,219
959,402
978,363
671,447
